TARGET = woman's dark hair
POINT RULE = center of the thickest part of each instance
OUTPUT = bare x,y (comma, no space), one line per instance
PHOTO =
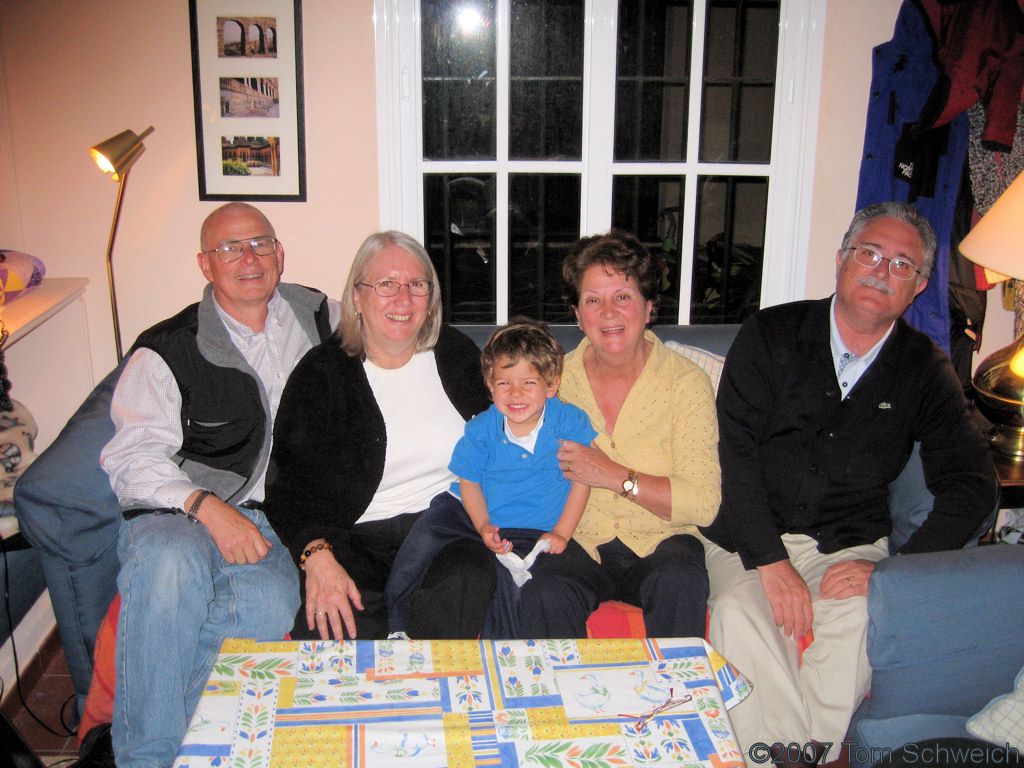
616,251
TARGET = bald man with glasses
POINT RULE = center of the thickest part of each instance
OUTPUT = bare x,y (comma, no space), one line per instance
193,413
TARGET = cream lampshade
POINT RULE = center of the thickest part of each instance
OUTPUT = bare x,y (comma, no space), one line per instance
997,243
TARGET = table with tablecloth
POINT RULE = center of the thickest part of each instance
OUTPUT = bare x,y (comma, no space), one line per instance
467,703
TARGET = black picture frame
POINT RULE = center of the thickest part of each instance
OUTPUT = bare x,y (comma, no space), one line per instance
248,100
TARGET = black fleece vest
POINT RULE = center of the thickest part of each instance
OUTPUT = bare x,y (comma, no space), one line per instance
222,416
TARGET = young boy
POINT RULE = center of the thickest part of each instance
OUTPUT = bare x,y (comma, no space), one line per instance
510,481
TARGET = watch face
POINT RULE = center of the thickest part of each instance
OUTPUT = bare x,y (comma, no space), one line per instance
628,485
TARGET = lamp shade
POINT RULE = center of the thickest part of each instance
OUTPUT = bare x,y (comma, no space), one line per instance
997,241
117,154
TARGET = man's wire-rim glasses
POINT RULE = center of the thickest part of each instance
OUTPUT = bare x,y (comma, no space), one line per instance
232,250
388,288
899,268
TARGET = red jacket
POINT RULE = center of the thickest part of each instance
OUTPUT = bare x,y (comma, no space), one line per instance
979,45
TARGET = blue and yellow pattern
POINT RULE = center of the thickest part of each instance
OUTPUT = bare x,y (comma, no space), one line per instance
430,704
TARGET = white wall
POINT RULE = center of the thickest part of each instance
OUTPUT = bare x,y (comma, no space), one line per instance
73,77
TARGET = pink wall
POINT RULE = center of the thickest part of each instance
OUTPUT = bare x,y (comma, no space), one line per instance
61,63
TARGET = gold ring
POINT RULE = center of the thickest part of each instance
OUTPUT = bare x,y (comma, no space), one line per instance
566,467
320,613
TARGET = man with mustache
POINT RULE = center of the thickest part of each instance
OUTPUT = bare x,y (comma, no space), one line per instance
820,405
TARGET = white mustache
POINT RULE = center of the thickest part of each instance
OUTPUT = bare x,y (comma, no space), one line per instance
877,283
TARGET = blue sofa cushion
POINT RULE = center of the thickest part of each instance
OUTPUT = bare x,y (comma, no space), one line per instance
714,338
930,616
910,501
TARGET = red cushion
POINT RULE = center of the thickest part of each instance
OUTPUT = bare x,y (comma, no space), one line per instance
613,619
99,706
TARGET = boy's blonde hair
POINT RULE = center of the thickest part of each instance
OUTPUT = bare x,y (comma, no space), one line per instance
523,339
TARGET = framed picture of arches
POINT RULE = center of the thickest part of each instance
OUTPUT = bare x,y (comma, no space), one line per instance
247,87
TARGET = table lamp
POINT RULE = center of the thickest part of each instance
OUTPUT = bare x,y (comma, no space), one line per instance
997,243
116,156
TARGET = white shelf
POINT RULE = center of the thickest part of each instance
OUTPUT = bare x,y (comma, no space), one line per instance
30,310
49,363
27,312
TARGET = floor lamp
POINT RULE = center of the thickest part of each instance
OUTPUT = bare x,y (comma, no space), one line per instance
997,243
116,156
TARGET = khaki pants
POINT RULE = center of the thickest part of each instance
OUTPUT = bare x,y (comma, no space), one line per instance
791,701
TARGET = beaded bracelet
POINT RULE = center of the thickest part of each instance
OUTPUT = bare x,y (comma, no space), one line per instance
311,550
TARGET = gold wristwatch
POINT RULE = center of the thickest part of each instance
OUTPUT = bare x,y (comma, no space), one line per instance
631,484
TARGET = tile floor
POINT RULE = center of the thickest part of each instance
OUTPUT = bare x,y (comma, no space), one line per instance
46,687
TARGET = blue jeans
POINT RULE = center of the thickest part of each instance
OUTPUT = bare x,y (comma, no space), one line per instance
179,601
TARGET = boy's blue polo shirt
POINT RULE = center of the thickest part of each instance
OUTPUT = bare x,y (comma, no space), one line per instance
522,489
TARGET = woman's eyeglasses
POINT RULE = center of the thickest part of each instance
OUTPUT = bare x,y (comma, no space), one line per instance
388,288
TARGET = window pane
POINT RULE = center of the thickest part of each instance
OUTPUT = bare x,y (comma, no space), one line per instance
652,79
649,207
546,98
729,248
460,238
544,221
458,53
739,80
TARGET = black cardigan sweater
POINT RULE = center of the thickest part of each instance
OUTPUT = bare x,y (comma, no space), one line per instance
330,439
797,458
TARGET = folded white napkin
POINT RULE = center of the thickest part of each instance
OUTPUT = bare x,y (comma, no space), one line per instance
519,567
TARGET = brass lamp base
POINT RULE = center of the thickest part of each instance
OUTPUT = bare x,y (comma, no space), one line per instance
999,394
1008,441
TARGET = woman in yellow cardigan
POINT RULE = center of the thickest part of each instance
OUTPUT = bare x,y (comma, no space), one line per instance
654,472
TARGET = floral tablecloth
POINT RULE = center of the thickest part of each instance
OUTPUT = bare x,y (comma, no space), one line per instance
586,703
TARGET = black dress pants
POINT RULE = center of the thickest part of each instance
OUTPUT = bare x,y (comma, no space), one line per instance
670,585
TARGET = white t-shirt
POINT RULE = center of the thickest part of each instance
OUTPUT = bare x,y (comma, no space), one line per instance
422,429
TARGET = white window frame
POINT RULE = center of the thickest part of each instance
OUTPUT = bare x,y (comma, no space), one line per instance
790,172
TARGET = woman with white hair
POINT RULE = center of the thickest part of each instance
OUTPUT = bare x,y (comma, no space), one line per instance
366,427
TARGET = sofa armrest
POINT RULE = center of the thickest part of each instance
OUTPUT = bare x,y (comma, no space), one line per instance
944,632
64,502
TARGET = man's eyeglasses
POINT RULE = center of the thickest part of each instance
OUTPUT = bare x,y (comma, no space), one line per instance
899,268
388,288
232,250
